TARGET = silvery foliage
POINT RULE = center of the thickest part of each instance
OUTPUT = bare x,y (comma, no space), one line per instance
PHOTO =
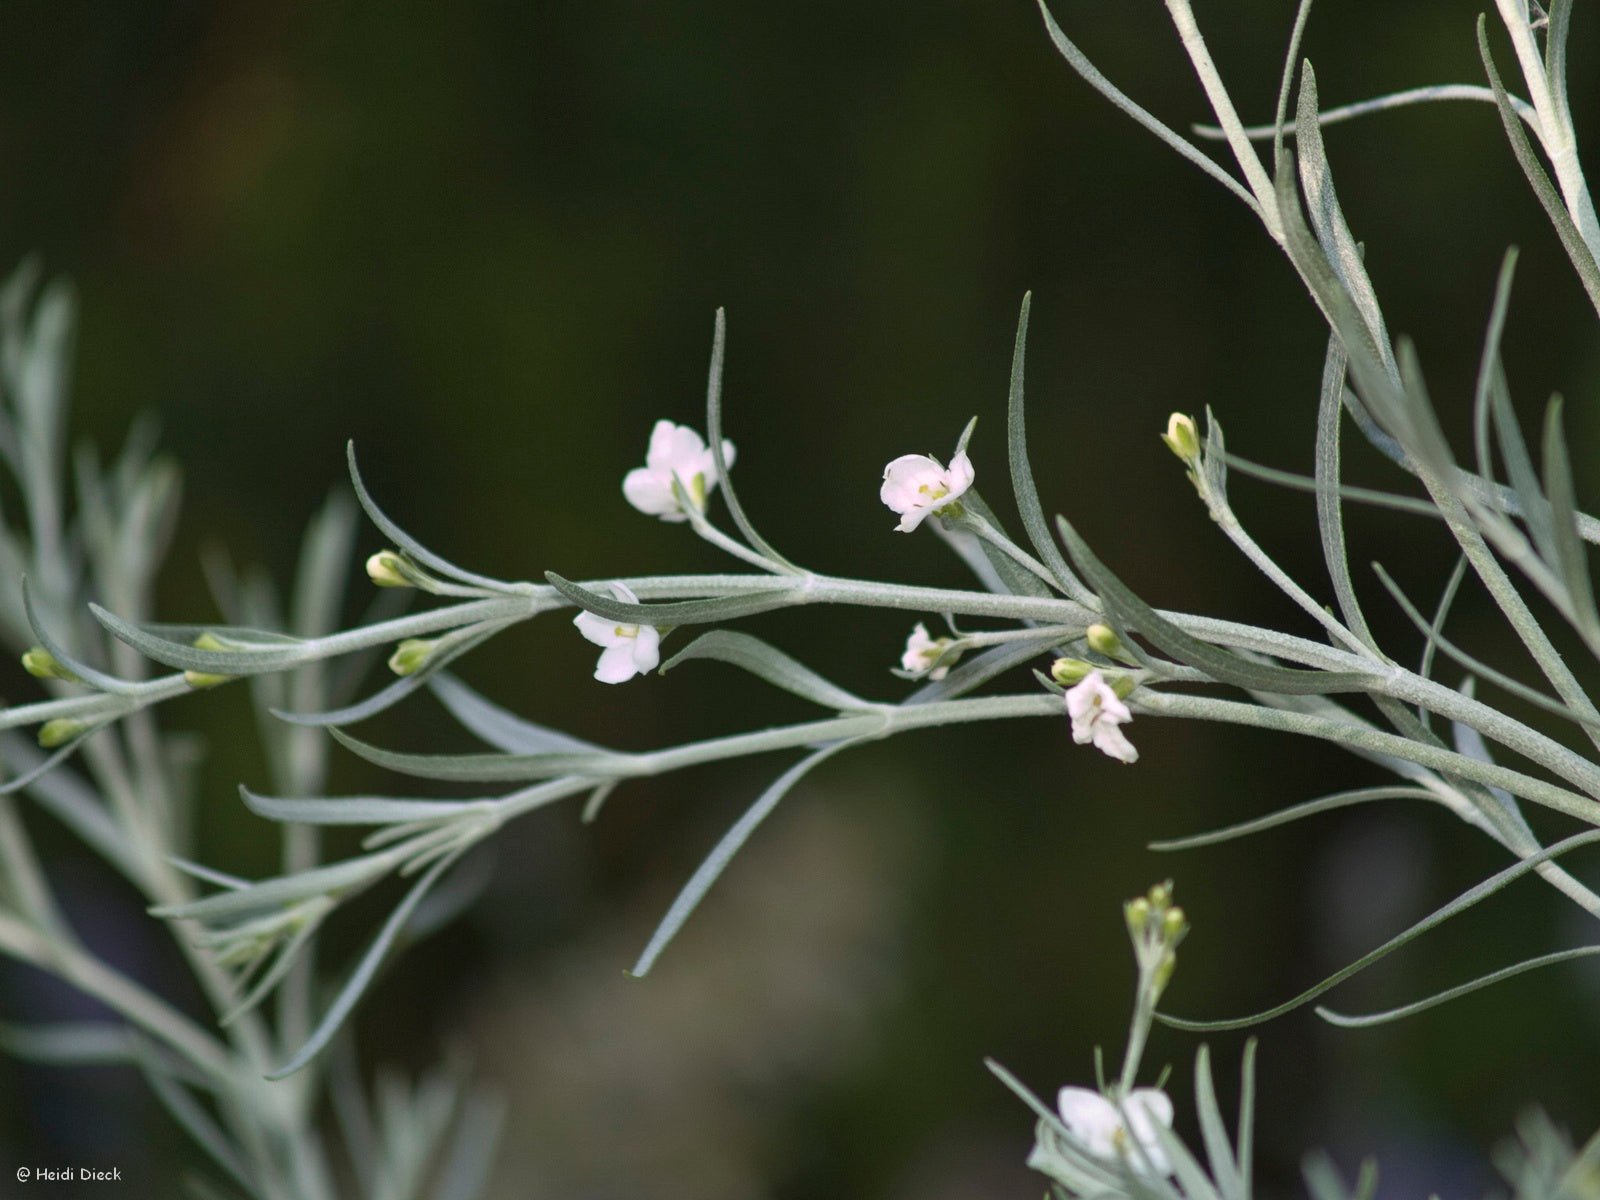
245,1093
130,797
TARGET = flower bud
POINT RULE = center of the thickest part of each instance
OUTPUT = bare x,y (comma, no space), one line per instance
206,679
1182,438
1161,896
1068,671
41,664
1103,639
1174,924
411,655
1137,914
388,569
1163,972
60,731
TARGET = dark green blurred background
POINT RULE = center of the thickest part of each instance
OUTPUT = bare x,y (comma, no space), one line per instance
486,241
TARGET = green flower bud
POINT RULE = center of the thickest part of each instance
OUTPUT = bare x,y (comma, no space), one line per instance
1163,972
388,569
60,731
1068,671
1123,685
1182,438
1137,914
411,655
1103,639
1161,896
206,679
41,664
1174,924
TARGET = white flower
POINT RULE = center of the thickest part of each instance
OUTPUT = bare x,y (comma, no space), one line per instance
923,651
676,452
629,649
1096,711
915,485
1095,1122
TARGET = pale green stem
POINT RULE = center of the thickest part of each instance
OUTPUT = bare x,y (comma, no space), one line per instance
975,524
1555,131
1364,737
142,1009
1223,514
1222,105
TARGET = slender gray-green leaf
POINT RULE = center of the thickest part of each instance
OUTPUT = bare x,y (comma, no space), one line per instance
471,1153
753,539
451,647
1016,577
194,1119
491,768
1324,1182
1307,483
46,765
1091,75
1441,614
409,544
1478,667
355,987
501,728
1532,503
284,960
66,797
1558,26
1286,82
1461,903
1327,218
1022,483
1366,1020
1185,1167
235,661
1226,667
1330,515
272,894
69,1043
1469,741
88,674
1219,1152
1247,1114
722,854
1569,559
1583,259
355,810
768,663
1294,812
683,612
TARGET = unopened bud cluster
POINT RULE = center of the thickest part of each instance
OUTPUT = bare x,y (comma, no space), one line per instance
1156,925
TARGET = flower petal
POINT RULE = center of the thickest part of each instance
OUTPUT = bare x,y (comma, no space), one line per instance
646,650
616,663
1090,1118
1110,740
651,492
600,630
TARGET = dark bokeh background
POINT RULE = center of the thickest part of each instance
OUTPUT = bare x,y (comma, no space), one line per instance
486,240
